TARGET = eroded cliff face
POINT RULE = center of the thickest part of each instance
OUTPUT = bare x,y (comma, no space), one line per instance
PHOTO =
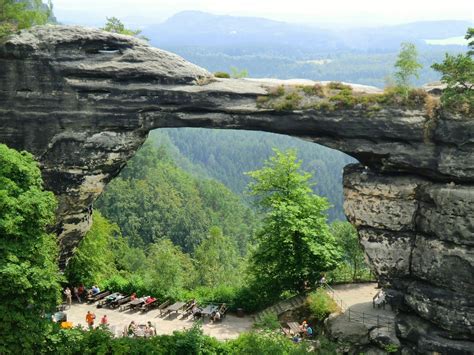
83,101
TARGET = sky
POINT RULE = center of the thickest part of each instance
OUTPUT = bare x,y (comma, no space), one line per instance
344,12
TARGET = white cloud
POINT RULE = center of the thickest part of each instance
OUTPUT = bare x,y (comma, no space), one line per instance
359,12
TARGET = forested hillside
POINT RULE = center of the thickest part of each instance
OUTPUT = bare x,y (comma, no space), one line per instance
227,155
153,199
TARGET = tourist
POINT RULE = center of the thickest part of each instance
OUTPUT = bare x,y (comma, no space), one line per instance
76,294
309,331
68,294
379,299
133,297
196,312
95,290
104,320
150,330
296,339
90,319
150,300
131,328
216,316
303,326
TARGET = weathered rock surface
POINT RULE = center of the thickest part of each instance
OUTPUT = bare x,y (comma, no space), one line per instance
83,101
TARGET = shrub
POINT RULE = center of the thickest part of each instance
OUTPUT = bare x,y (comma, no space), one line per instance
336,85
264,343
277,91
262,100
289,102
324,106
238,74
218,294
222,74
344,99
269,321
316,90
417,97
321,304
126,284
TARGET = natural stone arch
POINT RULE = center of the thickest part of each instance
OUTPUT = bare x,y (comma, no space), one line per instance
83,101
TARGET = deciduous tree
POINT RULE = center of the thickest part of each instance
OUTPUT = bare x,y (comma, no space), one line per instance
407,65
294,244
457,72
29,275
17,15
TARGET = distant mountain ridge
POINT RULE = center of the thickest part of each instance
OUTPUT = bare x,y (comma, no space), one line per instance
195,28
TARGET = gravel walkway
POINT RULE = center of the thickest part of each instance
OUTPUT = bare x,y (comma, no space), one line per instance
229,328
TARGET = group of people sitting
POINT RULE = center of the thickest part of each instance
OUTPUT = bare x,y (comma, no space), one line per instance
140,330
80,293
305,331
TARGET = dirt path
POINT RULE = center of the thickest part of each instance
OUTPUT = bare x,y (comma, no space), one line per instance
229,328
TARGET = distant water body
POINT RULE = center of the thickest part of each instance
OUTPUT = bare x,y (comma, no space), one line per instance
460,41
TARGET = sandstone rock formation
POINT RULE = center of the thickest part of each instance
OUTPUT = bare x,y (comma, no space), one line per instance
83,101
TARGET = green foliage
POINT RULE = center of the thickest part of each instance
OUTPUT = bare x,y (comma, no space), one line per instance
114,25
269,321
168,270
470,37
335,85
18,15
154,199
189,342
264,343
226,155
407,65
294,244
94,259
100,341
222,74
217,260
457,72
391,348
238,74
290,102
321,304
29,282
347,239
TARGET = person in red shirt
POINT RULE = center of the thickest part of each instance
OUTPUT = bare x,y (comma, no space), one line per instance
104,320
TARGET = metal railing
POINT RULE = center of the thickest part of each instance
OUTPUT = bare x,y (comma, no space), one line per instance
359,317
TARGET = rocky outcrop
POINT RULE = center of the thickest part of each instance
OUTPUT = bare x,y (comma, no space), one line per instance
83,101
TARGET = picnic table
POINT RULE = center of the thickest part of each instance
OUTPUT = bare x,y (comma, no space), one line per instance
110,298
136,303
209,309
98,296
175,307
294,327
149,305
140,330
